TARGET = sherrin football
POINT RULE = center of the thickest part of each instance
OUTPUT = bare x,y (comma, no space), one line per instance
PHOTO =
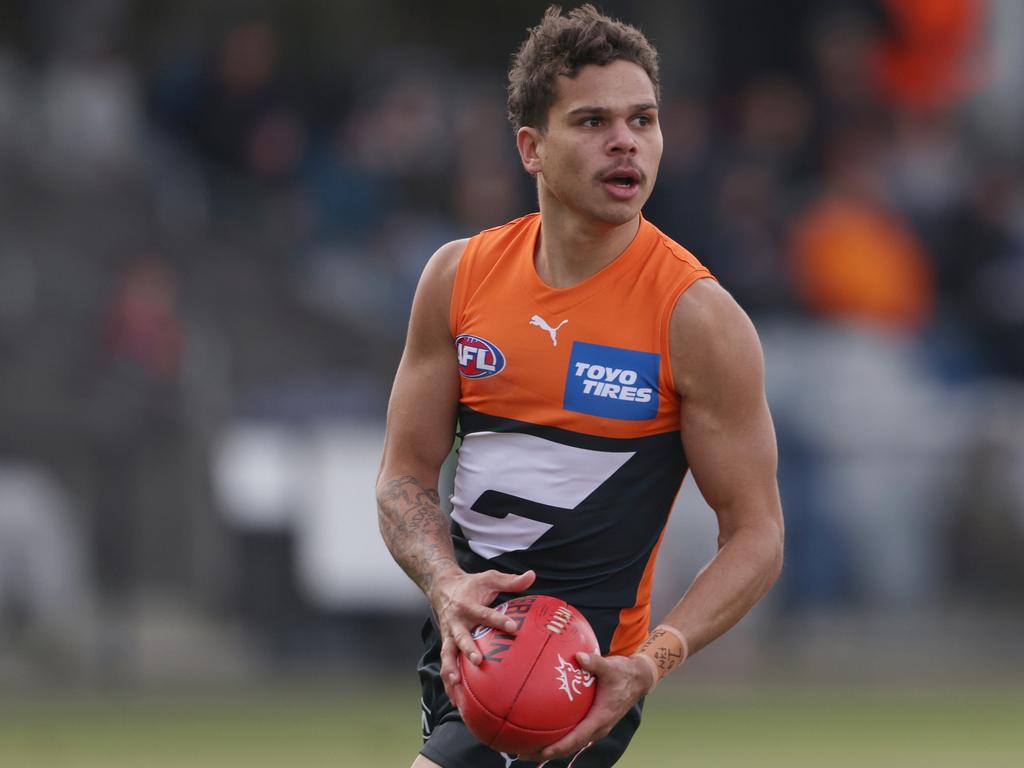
529,690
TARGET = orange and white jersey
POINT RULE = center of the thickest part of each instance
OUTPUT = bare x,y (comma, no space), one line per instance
571,456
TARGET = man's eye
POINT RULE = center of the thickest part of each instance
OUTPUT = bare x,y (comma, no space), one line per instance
592,122
643,120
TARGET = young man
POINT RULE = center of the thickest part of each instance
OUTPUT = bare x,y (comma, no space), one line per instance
589,361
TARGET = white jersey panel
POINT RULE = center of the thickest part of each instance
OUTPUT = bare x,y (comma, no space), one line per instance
527,467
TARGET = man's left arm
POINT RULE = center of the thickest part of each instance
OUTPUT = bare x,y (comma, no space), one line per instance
730,445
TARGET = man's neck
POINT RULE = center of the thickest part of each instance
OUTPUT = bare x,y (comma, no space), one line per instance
571,249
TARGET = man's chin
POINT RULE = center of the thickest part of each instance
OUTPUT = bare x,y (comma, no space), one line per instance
619,214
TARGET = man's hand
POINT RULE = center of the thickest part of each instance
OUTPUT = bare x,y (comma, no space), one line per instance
461,601
622,681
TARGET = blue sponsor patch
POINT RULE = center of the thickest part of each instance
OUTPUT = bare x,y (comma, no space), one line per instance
612,382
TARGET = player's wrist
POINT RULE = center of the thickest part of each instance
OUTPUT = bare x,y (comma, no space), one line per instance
648,672
441,579
664,650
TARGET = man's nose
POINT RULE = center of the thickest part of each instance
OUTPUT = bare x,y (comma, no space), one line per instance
622,140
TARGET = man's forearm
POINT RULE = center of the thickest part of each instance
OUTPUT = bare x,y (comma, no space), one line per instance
740,573
415,529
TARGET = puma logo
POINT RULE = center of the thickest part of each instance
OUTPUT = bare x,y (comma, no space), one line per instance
541,323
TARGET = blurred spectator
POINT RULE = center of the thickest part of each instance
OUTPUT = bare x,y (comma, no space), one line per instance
926,170
774,127
143,330
979,254
928,60
348,199
748,228
841,41
767,160
234,105
137,525
487,177
681,202
854,258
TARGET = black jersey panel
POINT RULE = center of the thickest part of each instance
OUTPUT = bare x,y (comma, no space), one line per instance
583,511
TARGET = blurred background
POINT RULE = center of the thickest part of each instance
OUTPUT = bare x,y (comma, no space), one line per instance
212,220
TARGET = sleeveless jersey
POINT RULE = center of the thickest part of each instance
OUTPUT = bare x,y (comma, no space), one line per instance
571,456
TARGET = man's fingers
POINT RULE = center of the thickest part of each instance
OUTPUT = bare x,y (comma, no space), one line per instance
465,644
457,695
451,677
449,664
509,582
517,582
492,618
594,663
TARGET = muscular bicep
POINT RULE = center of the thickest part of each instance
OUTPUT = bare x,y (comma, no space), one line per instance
726,426
424,400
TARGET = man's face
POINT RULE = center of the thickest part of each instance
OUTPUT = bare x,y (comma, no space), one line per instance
599,154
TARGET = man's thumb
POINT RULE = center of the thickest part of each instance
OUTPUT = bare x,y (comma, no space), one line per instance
520,581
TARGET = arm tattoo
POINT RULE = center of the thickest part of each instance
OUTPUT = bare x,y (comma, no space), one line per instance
415,529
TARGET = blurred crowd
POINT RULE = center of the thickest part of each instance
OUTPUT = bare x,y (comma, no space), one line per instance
216,215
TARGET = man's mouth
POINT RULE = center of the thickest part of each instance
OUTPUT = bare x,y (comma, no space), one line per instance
622,177
622,183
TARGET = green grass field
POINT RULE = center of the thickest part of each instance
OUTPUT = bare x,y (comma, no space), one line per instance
314,728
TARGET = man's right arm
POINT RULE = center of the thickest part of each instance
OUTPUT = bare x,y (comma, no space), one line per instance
420,428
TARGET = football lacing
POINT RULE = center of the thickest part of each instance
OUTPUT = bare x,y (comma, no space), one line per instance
559,621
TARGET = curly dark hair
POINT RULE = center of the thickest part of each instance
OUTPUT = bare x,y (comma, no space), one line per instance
562,45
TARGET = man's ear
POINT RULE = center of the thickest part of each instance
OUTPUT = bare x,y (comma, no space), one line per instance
529,141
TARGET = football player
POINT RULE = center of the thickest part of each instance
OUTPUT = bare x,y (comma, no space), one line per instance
589,362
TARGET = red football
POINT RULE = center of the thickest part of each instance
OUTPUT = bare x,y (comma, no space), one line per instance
529,690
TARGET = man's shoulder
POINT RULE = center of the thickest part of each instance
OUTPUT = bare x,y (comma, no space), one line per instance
521,222
450,253
483,250
705,307
710,331
504,236
445,261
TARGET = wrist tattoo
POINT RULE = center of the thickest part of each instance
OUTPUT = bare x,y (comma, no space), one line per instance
415,529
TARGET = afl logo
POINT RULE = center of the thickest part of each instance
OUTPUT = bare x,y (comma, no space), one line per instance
478,358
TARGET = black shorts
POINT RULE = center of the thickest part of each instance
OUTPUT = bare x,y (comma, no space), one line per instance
448,742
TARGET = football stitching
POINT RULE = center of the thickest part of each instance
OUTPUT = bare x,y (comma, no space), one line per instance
560,620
